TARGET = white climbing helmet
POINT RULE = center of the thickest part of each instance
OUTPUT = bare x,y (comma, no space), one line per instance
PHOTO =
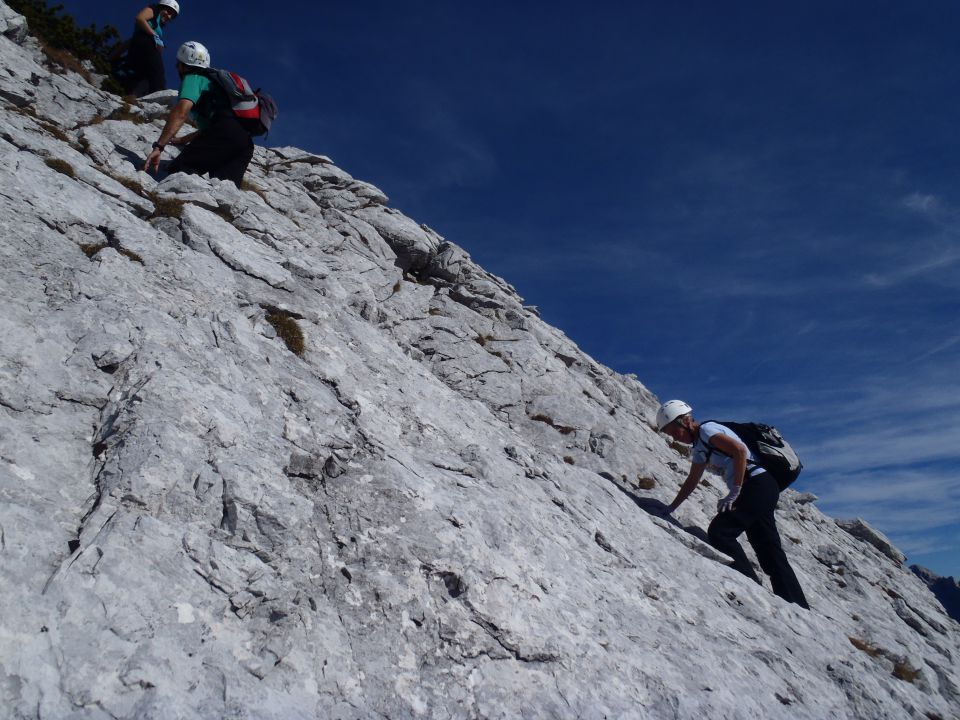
193,54
670,411
172,4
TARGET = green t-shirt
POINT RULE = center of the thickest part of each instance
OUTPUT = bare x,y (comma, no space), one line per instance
209,100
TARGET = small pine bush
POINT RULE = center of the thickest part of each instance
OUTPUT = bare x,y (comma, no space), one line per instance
67,45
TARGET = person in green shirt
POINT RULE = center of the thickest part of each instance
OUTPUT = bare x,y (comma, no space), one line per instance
220,146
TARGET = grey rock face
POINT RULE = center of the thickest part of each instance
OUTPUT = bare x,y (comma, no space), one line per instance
862,530
434,510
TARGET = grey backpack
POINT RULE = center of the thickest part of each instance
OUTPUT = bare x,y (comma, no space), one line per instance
771,451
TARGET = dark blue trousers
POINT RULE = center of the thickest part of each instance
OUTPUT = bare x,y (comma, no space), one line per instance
146,63
753,514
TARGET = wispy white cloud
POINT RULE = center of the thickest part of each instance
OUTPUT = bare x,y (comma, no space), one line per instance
947,344
459,156
918,512
916,545
923,203
916,264
905,490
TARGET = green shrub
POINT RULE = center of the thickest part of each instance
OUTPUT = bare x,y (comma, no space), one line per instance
289,332
61,166
64,43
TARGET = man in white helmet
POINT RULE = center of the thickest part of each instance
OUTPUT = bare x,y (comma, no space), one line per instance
221,146
144,58
749,504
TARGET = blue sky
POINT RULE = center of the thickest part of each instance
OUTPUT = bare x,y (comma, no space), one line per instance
753,206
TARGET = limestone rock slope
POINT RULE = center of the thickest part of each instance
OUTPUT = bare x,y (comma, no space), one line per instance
431,510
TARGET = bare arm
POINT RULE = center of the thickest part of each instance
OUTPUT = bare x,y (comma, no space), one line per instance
143,20
689,485
176,119
735,450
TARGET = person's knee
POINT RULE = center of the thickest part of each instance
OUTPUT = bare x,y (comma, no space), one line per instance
718,534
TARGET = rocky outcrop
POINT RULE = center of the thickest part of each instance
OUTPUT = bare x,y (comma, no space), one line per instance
946,589
430,509
862,530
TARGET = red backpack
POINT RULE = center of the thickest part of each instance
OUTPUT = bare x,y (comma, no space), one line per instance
255,109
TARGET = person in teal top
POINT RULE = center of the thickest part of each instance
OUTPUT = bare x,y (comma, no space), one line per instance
220,146
144,63
209,100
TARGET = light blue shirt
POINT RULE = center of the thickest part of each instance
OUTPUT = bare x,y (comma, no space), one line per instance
723,464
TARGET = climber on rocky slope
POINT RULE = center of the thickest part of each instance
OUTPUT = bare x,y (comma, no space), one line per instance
749,504
143,71
221,145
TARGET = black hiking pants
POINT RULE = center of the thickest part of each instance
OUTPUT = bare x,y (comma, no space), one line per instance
146,66
224,150
753,514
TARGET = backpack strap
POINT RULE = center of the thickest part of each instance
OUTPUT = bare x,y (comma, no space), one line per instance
706,442
711,449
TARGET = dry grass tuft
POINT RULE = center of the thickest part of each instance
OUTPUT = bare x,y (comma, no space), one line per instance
130,184
125,112
60,61
250,187
61,166
55,131
91,249
289,331
862,645
902,670
131,255
166,207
